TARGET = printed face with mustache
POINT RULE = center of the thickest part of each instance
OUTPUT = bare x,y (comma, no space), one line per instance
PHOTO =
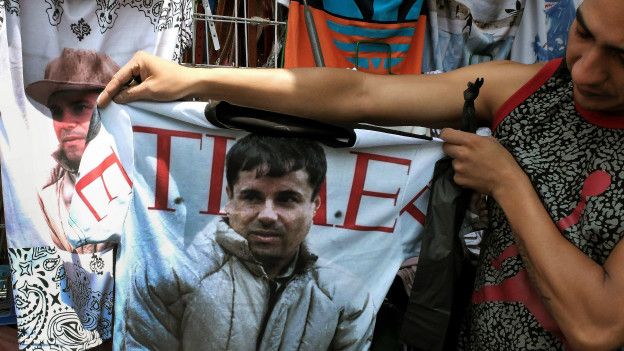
274,214
71,111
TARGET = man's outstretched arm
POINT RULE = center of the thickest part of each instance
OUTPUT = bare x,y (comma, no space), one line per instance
329,94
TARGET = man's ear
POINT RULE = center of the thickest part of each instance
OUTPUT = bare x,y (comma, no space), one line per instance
317,202
228,204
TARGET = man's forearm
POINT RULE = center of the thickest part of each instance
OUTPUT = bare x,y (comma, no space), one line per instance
336,95
574,288
301,92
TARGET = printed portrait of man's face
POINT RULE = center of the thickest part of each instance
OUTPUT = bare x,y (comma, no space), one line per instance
71,113
273,186
274,214
69,89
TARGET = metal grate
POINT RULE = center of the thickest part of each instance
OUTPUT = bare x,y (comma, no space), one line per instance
238,33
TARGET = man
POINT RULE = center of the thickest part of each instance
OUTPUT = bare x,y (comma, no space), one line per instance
250,282
69,90
551,272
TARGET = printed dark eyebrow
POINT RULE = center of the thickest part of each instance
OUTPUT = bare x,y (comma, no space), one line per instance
71,102
249,191
79,100
291,193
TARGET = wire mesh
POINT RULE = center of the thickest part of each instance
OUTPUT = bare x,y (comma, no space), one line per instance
238,33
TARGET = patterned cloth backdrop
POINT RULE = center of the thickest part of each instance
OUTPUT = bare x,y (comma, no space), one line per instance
64,295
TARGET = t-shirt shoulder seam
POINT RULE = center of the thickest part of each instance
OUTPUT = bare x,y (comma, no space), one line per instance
530,87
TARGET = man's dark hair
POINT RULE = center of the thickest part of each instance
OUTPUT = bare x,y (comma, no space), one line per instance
276,157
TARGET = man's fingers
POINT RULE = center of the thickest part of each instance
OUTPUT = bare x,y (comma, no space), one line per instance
118,82
452,150
133,93
103,99
447,133
454,136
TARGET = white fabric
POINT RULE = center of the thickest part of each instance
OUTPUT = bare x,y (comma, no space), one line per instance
398,168
465,32
543,31
63,300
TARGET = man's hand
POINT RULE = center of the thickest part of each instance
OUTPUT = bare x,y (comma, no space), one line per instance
157,79
481,163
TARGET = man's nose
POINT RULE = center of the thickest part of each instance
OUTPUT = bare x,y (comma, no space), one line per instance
268,213
591,68
66,120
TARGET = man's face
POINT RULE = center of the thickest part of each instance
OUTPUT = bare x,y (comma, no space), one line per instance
274,214
71,111
595,55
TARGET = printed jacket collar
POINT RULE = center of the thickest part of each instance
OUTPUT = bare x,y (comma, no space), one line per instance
60,158
237,246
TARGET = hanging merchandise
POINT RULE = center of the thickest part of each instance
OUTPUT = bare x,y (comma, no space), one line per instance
241,33
442,285
373,36
185,257
55,58
7,309
543,32
465,32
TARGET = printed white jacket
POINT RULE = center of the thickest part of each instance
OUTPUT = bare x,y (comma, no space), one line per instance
220,301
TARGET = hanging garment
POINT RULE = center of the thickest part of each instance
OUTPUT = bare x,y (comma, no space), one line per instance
442,282
368,222
464,32
373,36
543,32
56,56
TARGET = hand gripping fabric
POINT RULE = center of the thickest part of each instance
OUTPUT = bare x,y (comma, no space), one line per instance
444,278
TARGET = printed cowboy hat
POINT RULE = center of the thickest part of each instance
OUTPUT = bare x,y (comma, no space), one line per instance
73,70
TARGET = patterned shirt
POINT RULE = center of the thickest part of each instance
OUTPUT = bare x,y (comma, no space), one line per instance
574,160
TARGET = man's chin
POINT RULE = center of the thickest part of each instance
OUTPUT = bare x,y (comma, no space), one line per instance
265,253
602,104
608,109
